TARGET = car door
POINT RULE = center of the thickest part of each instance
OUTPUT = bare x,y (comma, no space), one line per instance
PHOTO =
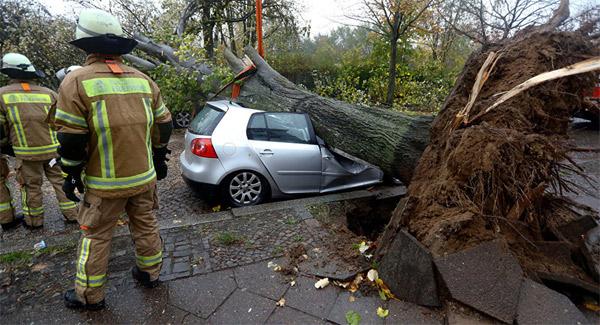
286,145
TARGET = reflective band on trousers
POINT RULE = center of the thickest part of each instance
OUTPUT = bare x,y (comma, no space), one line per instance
67,205
101,183
21,98
105,146
70,118
116,86
147,261
36,150
29,211
5,206
81,278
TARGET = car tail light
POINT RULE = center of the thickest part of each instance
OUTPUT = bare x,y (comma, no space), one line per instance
202,147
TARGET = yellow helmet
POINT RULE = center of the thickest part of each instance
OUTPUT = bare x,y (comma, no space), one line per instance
18,66
98,31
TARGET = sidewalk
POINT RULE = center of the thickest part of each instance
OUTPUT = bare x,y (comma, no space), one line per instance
215,271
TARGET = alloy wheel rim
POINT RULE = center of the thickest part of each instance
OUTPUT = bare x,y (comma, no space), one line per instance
245,188
183,119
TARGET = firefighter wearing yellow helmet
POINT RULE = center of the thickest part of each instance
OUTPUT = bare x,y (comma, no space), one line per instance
25,134
112,124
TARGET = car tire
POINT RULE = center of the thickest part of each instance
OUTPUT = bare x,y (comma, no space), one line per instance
244,188
182,119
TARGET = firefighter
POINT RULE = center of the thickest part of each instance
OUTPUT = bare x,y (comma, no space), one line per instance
8,219
112,123
24,107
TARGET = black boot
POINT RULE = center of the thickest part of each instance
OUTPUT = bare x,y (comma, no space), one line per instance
71,301
144,278
13,224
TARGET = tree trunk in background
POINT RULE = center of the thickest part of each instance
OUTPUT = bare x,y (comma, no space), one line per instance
389,139
391,89
207,32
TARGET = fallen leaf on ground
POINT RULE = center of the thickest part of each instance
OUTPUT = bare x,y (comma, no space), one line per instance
372,275
363,247
305,256
121,222
383,313
382,295
271,264
353,318
216,208
322,283
281,302
293,283
38,267
351,298
356,283
592,307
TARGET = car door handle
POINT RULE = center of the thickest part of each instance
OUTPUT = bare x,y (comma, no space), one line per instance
266,152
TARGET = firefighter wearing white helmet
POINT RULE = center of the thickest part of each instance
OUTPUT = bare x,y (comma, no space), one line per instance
62,73
25,134
112,123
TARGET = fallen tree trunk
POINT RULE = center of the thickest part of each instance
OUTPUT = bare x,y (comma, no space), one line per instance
389,139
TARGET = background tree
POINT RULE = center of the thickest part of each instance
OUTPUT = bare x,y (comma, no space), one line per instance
392,19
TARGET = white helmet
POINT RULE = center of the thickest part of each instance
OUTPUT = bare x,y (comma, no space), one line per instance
100,32
18,66
62,73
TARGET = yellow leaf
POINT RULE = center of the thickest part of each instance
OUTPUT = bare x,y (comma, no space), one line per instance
592,307
216,208
383,313
281,302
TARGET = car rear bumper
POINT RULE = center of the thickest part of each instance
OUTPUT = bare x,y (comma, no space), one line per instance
201,170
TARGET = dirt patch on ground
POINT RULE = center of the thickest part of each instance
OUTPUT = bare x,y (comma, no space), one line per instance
471,179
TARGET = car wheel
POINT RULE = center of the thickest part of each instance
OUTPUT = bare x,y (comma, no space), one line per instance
244,188
182,119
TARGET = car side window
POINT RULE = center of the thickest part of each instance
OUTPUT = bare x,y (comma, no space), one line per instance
257,128
288,127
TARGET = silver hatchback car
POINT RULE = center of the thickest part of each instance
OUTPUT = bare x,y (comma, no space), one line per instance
250,155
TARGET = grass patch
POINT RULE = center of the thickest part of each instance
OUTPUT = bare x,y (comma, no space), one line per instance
298,238
16,258
278,250
291,221
228,238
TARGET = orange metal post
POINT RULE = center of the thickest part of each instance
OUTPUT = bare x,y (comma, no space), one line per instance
259,35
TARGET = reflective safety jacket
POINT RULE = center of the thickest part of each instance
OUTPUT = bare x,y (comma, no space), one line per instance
23,110
118,107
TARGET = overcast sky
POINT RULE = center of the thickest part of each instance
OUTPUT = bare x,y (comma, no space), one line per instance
323,15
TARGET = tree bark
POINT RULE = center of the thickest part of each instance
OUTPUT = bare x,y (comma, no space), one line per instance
394,35
389,139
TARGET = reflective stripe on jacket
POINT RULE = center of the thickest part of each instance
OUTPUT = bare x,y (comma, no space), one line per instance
24,108
119,112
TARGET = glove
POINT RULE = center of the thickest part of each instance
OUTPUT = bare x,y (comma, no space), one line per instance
72,181
7,150
159,157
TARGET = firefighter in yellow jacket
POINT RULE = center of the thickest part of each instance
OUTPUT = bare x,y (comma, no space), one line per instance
24,107
112,124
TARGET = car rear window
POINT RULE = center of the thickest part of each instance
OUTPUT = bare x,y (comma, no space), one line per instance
205,122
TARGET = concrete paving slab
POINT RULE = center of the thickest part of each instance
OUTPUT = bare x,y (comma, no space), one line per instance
487,277
243,307
202,294
366,307
540,305
192,319
305,297
402,312
290,316
407,269
261,280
